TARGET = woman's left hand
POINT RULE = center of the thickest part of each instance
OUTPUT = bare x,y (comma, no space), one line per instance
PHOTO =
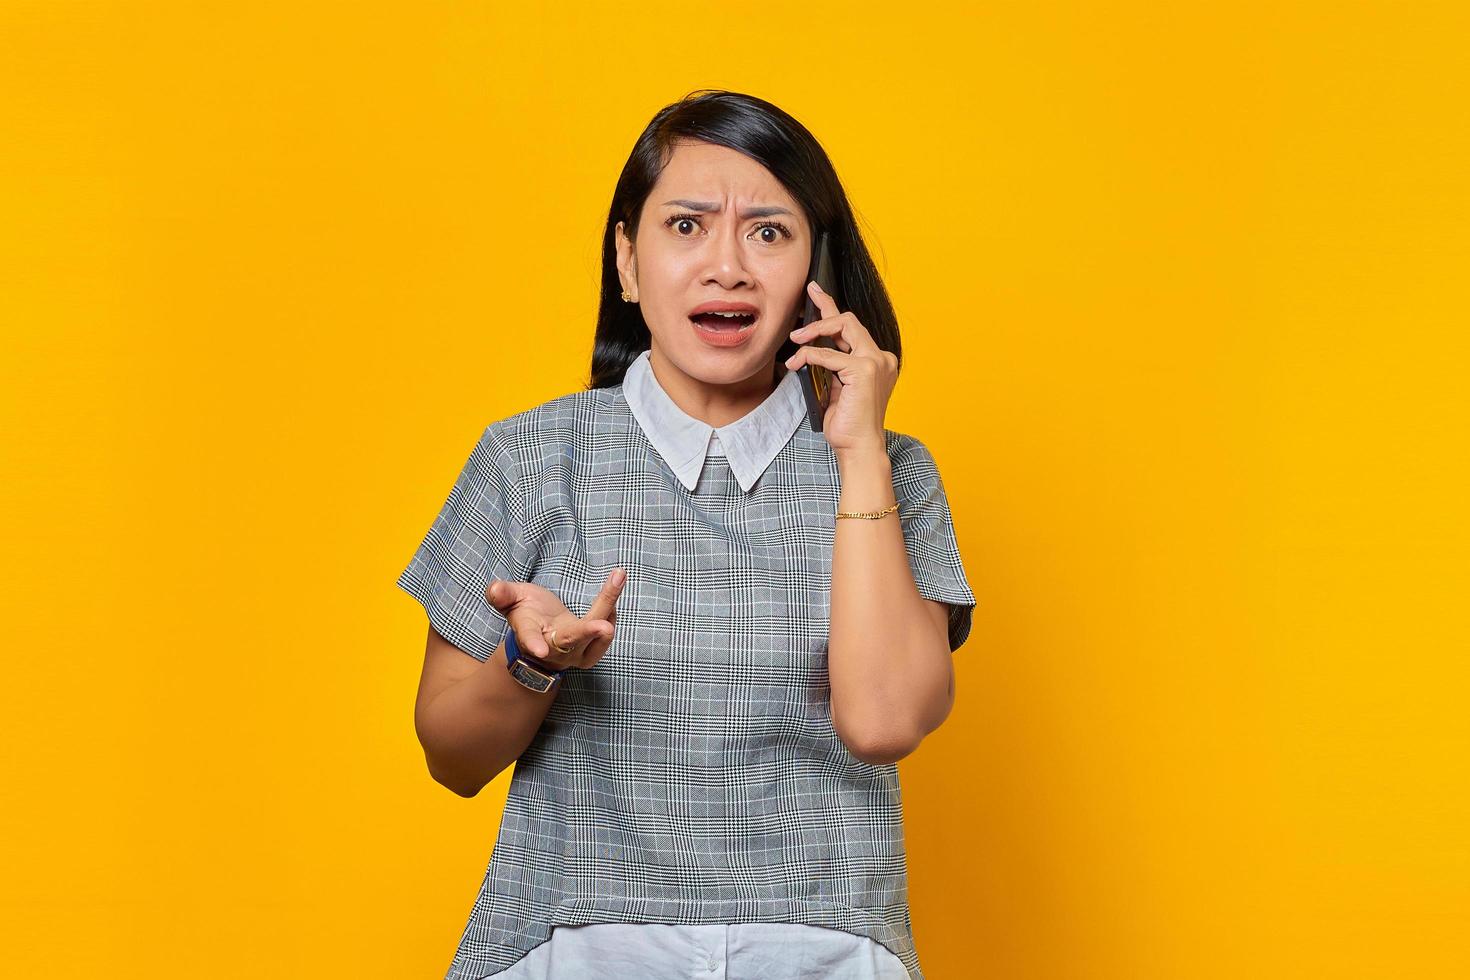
863,375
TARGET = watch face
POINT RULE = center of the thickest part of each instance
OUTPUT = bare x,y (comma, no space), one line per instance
531,677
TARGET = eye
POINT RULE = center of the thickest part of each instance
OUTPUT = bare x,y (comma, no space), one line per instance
676,220
680,218
774,226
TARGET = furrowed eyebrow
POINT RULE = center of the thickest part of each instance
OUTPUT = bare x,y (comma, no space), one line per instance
713,207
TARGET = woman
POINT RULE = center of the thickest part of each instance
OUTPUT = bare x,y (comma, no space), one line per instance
703,673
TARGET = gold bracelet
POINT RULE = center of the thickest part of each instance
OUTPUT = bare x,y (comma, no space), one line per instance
873,516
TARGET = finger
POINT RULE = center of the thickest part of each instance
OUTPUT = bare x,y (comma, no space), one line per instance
503,595
544,650
597,649
845,329
820,297
529,638
567,636
822,329
606,599
602,634
828,357
574,642
606,630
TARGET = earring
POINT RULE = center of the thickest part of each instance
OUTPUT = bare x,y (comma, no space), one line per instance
626,297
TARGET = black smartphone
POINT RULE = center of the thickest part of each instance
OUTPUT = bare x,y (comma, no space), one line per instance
816,381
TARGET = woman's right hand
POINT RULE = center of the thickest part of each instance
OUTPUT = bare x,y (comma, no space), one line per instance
534,612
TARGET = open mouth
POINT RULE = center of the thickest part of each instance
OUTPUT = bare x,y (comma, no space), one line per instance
724,321
724,328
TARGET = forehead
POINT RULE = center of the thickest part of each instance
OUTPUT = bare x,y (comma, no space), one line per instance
707,171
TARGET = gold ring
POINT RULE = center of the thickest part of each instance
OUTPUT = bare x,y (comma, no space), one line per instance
557,647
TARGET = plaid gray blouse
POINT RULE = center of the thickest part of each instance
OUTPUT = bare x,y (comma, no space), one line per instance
693,776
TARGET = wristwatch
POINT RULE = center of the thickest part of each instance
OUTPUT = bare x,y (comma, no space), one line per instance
522,668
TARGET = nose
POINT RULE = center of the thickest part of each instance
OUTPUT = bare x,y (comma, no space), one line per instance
726,260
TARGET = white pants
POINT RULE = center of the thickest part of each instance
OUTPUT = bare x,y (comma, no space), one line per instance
737,951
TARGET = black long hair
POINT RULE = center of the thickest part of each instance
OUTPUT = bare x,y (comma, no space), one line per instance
783,146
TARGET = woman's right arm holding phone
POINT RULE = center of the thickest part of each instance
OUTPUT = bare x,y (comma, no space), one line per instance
472,717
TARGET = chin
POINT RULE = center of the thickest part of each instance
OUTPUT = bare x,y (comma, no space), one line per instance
720,366
721,369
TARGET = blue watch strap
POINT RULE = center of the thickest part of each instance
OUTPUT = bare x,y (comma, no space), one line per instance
513,654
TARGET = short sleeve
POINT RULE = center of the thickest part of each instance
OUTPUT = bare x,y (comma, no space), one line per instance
478,536
928,532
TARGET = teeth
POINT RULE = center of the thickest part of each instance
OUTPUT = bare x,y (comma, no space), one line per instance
724,314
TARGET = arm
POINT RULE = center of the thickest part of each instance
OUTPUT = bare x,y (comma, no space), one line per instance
888,651
472,718
888,655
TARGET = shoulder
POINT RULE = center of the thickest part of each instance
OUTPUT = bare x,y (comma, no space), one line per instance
907,453
915,471
528,436
552,420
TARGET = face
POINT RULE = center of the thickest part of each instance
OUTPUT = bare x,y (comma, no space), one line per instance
717,229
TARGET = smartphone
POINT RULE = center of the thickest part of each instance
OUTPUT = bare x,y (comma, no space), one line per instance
816,381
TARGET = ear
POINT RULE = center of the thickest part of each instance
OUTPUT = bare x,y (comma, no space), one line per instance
627,261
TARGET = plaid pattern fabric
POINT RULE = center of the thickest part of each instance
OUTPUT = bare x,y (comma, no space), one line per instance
693,776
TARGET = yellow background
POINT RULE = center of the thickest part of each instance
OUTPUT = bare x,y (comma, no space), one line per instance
1183,291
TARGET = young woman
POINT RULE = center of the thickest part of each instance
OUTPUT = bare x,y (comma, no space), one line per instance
646,596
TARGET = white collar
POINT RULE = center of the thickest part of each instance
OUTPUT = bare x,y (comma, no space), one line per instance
750,442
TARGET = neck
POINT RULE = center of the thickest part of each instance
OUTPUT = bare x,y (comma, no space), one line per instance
715,405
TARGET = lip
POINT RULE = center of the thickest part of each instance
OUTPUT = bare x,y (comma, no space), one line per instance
721,306
724,338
